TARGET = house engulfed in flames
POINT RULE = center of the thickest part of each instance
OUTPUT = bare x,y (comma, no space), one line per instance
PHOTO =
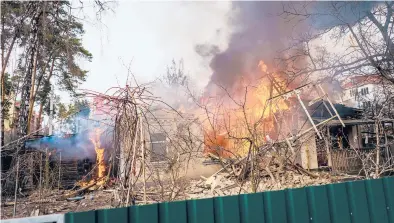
270,110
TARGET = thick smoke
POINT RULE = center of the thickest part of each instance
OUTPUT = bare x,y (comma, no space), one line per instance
72,138
263,33
260,35
72,147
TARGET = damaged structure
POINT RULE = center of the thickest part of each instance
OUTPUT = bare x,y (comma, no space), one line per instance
149,152
344,138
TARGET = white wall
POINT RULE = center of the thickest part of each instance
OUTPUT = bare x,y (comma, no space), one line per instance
358,96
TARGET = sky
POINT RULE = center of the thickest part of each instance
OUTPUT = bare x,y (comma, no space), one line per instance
147,36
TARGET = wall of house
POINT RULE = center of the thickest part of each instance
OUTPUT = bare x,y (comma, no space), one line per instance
358,96
183,144
309,153
172,143
354,137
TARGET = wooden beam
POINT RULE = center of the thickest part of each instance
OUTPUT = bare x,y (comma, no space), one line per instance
288,92
307,114
325,105
309,129
321,98
329,101
315,100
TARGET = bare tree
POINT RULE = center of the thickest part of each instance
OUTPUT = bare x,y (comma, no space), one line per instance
363,33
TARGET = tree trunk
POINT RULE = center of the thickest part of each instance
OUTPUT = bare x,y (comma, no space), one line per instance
38,126
32,98
34,95
2,127
26,85
7,57
4,65
2,115
2,86
5,60
42,77
377,149
25,96
2,38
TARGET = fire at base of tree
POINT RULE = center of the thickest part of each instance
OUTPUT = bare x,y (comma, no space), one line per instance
316,117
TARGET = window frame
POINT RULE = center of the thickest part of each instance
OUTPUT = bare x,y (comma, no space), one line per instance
164,142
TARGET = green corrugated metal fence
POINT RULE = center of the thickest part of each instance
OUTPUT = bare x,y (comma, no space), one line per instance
357,202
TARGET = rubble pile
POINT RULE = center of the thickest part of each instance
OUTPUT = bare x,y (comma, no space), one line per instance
265,172
224,184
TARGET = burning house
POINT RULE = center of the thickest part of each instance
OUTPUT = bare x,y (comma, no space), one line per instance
307,121
302,118
124,143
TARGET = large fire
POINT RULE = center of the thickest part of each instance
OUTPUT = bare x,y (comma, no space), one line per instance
246,112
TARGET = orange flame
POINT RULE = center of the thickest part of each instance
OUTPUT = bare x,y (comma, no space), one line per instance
247,113
95,139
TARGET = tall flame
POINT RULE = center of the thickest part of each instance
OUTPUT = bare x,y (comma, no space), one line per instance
95,139
248,114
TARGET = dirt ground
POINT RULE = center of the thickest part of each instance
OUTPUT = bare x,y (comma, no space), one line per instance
219,185
29,206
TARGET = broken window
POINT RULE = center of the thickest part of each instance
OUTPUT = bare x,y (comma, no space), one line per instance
159,147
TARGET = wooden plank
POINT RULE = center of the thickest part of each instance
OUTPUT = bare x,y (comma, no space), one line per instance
307,113
329,101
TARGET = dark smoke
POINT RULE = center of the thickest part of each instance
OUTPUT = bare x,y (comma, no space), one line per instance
262,33
206,50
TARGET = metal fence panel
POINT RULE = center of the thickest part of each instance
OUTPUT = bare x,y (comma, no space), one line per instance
79,217
275,208
388,184
200,211
297,203
339,203
319,207
146,213
107,215
252,208
358,201
173,212
226,209
376,200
